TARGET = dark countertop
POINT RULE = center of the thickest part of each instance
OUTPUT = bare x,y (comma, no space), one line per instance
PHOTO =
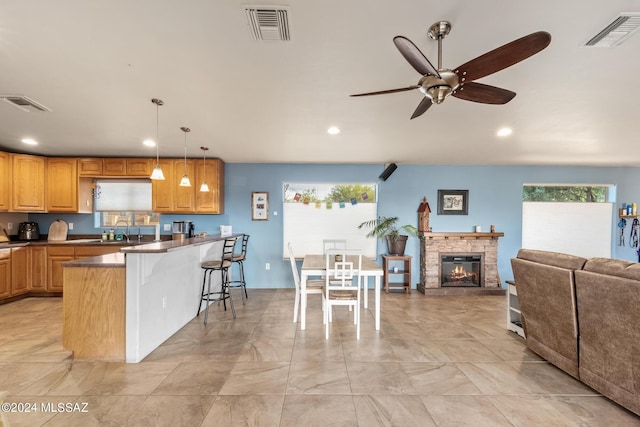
118,259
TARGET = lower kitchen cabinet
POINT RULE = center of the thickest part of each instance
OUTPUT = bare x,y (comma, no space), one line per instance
20,270
5,273
38,268
56,255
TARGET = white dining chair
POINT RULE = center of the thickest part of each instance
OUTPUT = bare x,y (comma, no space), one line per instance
312,286
342,284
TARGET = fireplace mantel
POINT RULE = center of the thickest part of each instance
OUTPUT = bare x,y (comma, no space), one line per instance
461,236
433,245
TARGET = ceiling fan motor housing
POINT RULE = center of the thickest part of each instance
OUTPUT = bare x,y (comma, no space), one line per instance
439,88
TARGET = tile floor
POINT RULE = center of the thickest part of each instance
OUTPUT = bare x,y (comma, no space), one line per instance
437,361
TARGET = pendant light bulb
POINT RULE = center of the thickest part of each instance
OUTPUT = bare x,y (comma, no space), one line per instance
157,170
184,182
204,188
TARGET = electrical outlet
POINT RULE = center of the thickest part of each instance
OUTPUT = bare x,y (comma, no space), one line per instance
70,226
9,226
167,227
267,266
275,213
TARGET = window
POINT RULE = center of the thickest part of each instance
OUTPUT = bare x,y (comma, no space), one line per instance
124,200
316,211
574,219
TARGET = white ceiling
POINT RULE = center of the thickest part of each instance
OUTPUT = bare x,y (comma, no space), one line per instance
98,64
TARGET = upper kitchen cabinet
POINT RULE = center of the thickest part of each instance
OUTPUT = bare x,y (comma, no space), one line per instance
127,167
5,181
66,192
27,183
90,167
211,202
169,197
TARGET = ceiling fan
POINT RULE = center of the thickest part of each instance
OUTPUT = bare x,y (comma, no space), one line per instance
438,84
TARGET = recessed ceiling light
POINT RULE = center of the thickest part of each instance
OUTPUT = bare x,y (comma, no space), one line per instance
504,132
149,142
30,141
333,130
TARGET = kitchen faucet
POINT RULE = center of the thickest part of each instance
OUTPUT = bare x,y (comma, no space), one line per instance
126,234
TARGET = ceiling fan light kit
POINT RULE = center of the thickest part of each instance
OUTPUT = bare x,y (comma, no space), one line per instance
437,84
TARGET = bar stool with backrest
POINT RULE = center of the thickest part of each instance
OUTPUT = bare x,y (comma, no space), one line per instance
222,265
238,259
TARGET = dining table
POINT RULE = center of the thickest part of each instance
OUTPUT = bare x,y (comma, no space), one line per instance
315,266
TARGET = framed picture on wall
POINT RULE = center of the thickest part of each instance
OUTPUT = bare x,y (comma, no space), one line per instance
259,206
453,202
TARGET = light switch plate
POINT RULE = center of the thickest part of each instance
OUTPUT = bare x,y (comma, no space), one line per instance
167,227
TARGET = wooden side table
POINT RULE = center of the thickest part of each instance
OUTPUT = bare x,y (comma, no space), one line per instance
396,265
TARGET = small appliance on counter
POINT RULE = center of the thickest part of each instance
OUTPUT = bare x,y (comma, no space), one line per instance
182,230
28,231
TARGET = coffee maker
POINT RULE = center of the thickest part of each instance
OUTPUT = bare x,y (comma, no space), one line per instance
182,230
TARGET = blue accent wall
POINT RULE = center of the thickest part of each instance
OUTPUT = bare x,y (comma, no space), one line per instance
495,197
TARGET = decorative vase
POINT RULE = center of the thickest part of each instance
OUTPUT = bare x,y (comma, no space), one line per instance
396,247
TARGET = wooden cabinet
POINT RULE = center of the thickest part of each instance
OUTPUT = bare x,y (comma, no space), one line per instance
162,197
396,271
211,202
56,255
126,167
5,273
62,185
90,167
183,197
38,265
5,181
169,197
27,183
20,270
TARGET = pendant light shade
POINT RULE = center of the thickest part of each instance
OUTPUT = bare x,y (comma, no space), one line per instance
184,182
157,170
204,188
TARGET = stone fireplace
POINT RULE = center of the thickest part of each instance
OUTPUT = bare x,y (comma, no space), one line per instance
459,263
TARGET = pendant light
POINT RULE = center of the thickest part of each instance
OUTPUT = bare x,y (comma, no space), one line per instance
204,188
184,182
157,170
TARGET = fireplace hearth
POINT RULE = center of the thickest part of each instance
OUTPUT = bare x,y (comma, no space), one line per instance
460,270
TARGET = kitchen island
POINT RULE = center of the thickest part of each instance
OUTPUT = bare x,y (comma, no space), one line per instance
123,306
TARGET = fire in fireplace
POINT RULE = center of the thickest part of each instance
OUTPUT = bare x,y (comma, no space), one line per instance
460,270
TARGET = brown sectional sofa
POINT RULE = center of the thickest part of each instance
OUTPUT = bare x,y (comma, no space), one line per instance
583,315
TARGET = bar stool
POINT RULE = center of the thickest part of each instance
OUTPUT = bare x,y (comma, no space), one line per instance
222,265
238,258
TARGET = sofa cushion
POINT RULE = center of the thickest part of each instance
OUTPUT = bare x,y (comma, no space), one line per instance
556,259
614,267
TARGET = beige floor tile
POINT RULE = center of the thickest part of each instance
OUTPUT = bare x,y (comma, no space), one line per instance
194,378
476,411
100,411
497,378
132,378
379,378
439,379
318,378
392,411
241,411
318,410
267,350
69,379
257,378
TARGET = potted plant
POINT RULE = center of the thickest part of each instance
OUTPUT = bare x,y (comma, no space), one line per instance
388,228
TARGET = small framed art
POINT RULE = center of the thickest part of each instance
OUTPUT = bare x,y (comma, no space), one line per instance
453,202
259,206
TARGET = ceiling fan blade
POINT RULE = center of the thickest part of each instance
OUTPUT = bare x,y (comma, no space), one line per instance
382,92
503,57
414,56
422,107
478,92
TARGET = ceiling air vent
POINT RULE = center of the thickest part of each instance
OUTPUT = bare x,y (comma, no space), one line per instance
616,32
24,103
268,22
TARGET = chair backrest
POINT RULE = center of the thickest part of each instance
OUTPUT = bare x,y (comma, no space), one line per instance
245,241
294,267
227,248
329,244
342,265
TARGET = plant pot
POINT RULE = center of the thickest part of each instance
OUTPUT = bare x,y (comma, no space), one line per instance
396,247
